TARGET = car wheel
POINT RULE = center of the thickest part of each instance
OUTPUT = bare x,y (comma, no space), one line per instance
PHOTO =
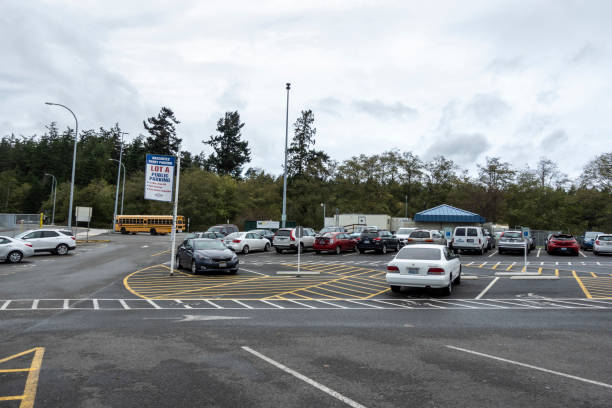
500,251
178,262
245,249
194,269
338,250
549,252
449,289
318,252
396,289
384,249
458,278
301,247
361,251
233,271
153,231
14,257
267,247
397,247
61,249
279,251
123,231
481,251
595,253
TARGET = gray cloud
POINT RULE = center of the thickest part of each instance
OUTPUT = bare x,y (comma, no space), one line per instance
586,53
506,65
533,124
463,148
329,105
487,108
378,108
554,139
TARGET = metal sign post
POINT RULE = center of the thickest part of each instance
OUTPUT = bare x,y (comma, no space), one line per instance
176,195
525,232
299,233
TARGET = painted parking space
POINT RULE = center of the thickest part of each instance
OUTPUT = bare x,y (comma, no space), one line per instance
19,375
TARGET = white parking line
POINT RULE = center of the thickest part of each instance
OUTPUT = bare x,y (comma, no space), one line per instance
485,290
307,380
248,270
66,304
538,254
152,303
5,304
96,305
243,304
505,360
123,304
272,304
492,254
580,252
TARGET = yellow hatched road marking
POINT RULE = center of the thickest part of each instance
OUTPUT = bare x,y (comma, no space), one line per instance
586,292
510,267
540,270
593,274
556,272
496,265
15,370
29,392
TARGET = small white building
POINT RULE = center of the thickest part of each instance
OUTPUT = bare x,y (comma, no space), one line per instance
382,221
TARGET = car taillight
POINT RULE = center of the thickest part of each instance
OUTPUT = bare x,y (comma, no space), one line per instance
479,241
393,269
452,240
73,238
236,241
435,271
409,239
291,236
28,244
376,239
429,240
597,242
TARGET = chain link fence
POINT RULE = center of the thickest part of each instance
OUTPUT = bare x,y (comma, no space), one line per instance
13,224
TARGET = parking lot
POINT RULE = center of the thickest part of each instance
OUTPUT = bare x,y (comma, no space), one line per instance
107,325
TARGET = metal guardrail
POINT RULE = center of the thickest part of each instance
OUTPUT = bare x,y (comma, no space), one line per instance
13,224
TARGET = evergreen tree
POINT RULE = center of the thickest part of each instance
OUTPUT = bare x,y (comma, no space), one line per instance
230,152
302,159
163,138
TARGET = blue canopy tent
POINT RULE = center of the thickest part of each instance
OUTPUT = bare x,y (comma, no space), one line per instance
448,213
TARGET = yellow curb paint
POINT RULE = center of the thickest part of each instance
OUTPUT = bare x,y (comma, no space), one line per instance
584,289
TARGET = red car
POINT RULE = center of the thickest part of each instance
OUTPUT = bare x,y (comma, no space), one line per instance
562,243
334,242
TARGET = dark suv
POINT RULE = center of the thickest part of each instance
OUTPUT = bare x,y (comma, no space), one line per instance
377,240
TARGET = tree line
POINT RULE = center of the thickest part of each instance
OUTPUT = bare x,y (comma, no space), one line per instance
219,187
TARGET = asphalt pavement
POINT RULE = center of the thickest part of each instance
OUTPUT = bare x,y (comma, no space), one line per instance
106,326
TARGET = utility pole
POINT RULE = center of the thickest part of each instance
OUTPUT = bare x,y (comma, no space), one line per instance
284,216
54,191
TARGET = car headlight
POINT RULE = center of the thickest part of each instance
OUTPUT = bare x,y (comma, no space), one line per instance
234,256
203,258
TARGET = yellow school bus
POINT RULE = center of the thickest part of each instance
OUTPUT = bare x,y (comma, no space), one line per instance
153,224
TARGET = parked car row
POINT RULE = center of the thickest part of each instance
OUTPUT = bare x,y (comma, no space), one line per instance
26,244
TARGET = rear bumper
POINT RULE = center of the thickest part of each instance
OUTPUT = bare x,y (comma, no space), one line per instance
603,249
510,246
575,249
319,247
416,281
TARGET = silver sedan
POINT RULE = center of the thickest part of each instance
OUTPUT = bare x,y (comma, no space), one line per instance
13,250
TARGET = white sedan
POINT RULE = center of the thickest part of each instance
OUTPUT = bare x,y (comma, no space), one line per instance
424,266
246,242
13,250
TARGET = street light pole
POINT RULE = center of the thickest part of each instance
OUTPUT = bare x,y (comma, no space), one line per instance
54,188
284,216
76,135
323,205
123,188
118,180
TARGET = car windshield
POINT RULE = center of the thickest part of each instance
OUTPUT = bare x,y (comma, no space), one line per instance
283,233
419,234
425,254
234,235
215,229
512,235
460,232
472,232
202,245
591,234
605,238
369,234
404,231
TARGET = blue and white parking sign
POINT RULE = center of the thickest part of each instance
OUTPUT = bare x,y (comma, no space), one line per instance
159,177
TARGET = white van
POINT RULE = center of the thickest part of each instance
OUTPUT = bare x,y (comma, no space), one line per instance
469,239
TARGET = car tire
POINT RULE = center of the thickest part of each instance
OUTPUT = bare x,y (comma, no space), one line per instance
194,271
500,251
178,263
318,252
14,257
481,251
152,231
61,249
338,249
447,291
595,253
458,278
279,251
397,247
267,247
361,251
383,250
233,271
396,289
245,249
123,231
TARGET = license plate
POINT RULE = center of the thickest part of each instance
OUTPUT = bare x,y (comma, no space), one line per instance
470,240
366,241
410,271
564,249
222,264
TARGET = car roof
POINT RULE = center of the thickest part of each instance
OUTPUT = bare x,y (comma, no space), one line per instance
204,239
438,246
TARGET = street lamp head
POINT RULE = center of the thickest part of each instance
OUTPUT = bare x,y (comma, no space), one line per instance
288,85
49,103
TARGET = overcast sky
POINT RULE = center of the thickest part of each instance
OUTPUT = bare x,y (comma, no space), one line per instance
469,79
